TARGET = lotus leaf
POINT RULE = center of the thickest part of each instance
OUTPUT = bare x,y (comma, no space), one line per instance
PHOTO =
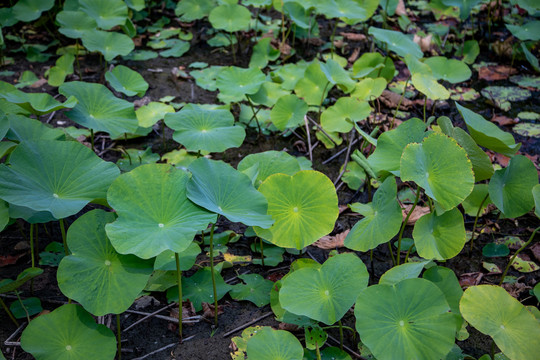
110,44
150,114
99,109
487,134
381,222
506,320
177,48
256,289
288,75
234,83
167,259
325,293
263,52
304,207
4,214
190,10
536,196
29,306
401,272
112,281
451,70
475,198
397,42
465,6
230,17
510,189
369,89
527,31
269,93
24,128
269,163
63,68
526,81
37,103
30,10
154,213
343,113
288,112
141,55
68,332
220,188
495,250
336,75
428,85
390,145
206,78
270,344
127,81
56,176
412,315
203,129
354,176
74,24
441,167
502,96
136,5
107,13
8,285
374,65
313,86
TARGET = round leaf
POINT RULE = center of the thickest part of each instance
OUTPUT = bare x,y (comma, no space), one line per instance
111,281
288,112
230,17
441,167
126,81
110,44
451,70
440,237
234,82
154,213
29,10
510,189
325,293
150,114
68,333
343,113
220,188
74,24
37,103
428,85
270,344
256,289
411,315
397,42
304,207
269,163
60,177
203,129
506,320
190,10
107,13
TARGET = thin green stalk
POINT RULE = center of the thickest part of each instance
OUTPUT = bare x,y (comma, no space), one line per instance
332,39
391,253
399,103
213,275
163,143
63,232
77,59
340,335
430,203
254,114
408,253
262,252
179,283
32,244
119,336
318,351
476,219
22,305
9,312
425,105
322,99
516,253
405,224
232,48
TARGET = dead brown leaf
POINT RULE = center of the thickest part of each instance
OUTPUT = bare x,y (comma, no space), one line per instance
39,83
353,36
208,310
400,9
470,279
342,208
354,55
504,120
536,251
6,260
331,242
424,42
495,72
499,158
417,213
515,289
288,327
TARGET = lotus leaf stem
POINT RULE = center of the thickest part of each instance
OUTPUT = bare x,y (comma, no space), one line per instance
119,336
254,114
322,130
308,139
332,39
476,219
318,350
408,253
392,253
262,252
179,283
340,335
9,312
63,232
32,245
232,48
425,105
399,103
405,224
22,306
351,137
213,275
322,99
516,253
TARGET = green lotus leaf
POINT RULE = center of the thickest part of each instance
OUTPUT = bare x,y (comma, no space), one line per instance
220,188
27,78
495,250
441,167
313,86
132,158
412,315
336,75
350,11
401,272
269,93
451,70
536,196
178,48
343,113
506,320
527,31
473,201
526,81
256,289
8,285
23,128
390,145
270,344
428,85
37,103
141,55
136,5
198,288
381,222
269,163
4,214
374,65
110,44
283,315
112,281
126,81
74,24
107,13
510,189
154,213
263,52
62,68
190,10
99,109
206,78
369,89
324,293
288,75
29,215
67,333
29,306
288,112
230,17
354,175
56,176
304,207
150,114
397,42
30,10
440,237
203,129
465,6
167,259
234,83
487,134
